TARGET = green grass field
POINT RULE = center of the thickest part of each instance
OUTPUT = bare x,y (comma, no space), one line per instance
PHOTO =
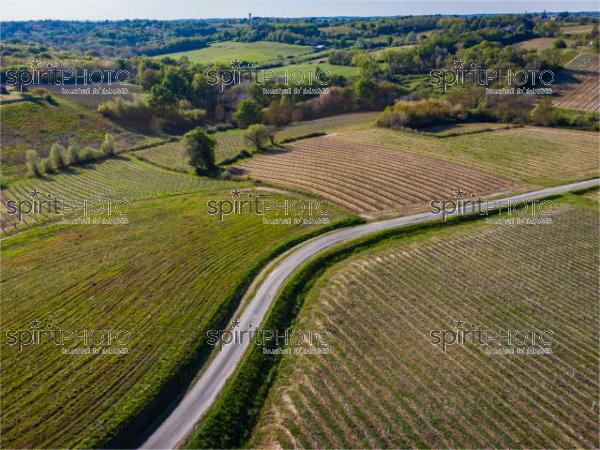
163,277
226,52
384,384
576,29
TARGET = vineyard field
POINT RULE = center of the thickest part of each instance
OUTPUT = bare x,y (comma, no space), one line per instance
534,155
378,172
121,178
464,128
326,125
162,278
385,382
580,89
230,143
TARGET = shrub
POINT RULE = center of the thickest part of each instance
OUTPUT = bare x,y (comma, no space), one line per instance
33,163
57,156
542,113
108,146
177,121
560,43
89,154
279,112
136,115
341,57
418,114
258,135
73,154
47,165
335,100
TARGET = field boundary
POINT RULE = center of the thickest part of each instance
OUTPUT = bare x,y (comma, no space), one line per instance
483,130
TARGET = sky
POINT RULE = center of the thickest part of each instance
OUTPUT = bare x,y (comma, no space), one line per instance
187,9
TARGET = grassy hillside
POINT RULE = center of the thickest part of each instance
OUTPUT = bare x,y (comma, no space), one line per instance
539,44
165,277
384,384
226,52
93,101
38,124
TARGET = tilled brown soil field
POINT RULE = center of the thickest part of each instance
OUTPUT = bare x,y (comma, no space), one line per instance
371,180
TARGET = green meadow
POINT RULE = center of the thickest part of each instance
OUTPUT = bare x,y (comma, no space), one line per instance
228,51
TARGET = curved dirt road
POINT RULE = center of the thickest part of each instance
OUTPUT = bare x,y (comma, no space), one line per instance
177,426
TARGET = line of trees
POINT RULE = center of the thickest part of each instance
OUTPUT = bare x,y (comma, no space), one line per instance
61,158
474,105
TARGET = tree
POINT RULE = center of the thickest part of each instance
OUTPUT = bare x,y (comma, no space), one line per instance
560,43
32,161
57,159
175,82
258,135
162,97
369,68
149,78
248,112
366,93
46,165
108,146
204,94
200,148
